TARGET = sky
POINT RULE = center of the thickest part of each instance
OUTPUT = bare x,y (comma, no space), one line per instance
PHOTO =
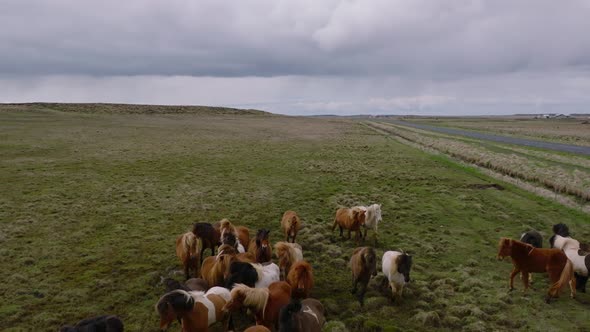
302,57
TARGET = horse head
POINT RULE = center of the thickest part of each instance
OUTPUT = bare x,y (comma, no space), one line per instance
561,229
404,265
369,260
504,248
172,306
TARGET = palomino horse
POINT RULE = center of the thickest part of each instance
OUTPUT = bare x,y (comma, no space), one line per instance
291,224
363,264
187,250
242,234
287,254
260,247
196,311
209,236
99,323
302,316
579,258
372,219
214,269
300,278
527,259
351,219
265,303
396,267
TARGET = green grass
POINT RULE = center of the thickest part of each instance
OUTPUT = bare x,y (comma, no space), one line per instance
92,204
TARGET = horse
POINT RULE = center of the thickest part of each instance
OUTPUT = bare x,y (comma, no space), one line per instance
363,264
265,303
187,250
302,316
172,284
231,239
242,234
527,259
252,274
231,250
533,238
108,323
372,219
260,247
300,278
579,258
215,268
196,311
396,267
210,237
287,254
291,224
351,219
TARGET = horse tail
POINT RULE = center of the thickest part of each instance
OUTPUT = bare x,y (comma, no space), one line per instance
566,275
335,223
259,270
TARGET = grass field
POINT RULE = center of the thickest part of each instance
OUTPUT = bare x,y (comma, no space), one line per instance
568,130
92,203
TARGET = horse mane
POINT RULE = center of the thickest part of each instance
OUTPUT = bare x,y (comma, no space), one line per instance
284,248
403,260
226,249
253,297
179,300
226,226
561,229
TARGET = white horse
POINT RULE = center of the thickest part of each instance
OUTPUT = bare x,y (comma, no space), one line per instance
571,247
372,218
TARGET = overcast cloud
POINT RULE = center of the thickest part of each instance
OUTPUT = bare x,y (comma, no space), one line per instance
301,57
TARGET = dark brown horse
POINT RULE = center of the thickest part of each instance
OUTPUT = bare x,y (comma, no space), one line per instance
363,264
209,236
528,259
302,316
99,323
260,247
300,278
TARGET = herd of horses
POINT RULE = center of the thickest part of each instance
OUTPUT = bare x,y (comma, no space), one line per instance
240,276
566,262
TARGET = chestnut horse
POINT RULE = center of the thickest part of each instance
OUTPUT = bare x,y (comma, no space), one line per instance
187,250
215,268
527,259
196,311
351,219
302,316
363,264
287,254
209,236
300,278
265,303
291,224
242,234
260,247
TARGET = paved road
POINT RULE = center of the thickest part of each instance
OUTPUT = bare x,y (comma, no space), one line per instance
502,139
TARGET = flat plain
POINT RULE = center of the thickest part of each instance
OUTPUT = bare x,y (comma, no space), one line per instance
92,203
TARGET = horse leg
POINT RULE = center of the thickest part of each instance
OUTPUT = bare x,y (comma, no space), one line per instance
515,271
349,234
361,296
354,283
572,283
294,235
341,231
525,280
187,263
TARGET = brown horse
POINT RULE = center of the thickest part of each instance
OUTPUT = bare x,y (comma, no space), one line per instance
260,247
527,259
287,254
209,236
351,219
291,224
363,264
241,233
257,328
227,249
302,316
187,250
215,269
197,284
265,303
196,311
301,279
